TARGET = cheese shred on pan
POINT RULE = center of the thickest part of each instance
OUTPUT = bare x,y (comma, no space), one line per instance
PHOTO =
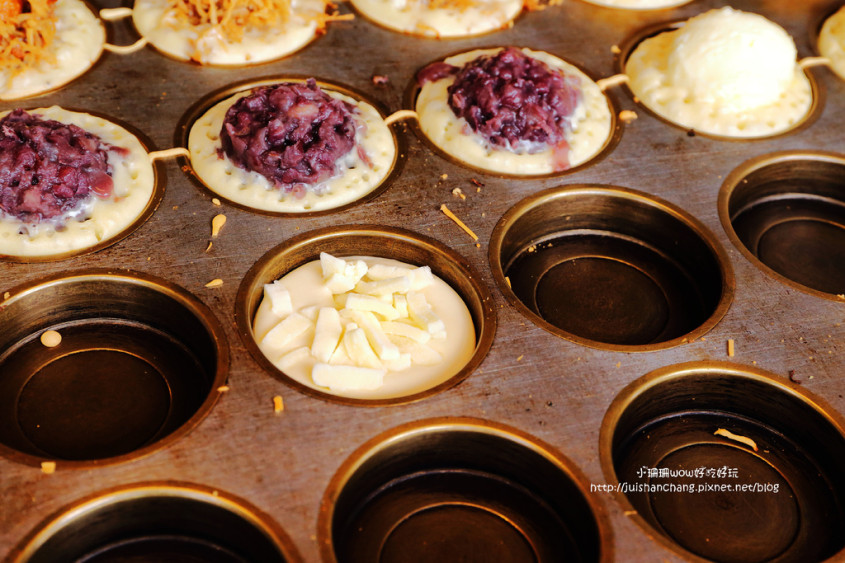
25,35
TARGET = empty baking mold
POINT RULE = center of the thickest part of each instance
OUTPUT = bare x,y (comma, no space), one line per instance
786,213
729,463
374,241
460,490
158,522
610,267
138,363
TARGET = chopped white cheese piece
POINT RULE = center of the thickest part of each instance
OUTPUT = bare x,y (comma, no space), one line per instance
310,312
280,336
378,272
343,378
400,303
419,278
279,298
383,347
339,275
404,329
358,302
340,357
326,334
423,315
387,286
358,349
331,265
294,357
265,319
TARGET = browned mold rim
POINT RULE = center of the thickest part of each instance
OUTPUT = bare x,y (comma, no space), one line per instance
198,109
627,47
736,177
159,184
189,302
306,248
616,125
631,392
573,190
397,435
91,504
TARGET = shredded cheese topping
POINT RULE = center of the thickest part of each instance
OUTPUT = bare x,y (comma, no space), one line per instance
230,17
27,28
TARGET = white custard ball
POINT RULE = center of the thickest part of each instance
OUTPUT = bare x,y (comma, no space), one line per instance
737,60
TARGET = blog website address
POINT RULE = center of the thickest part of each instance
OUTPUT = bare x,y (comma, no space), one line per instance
627,488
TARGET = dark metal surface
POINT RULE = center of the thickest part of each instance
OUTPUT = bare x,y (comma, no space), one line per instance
532,380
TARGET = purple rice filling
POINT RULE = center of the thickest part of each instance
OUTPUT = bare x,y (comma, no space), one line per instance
513,101
293,134
49,170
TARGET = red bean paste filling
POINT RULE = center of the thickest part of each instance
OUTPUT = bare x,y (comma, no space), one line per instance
293,134
50,170
513,101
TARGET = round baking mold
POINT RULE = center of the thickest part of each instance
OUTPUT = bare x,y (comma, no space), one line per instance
157,194
611,268
378,241
628,46
412,93
137,366
459,489
69,54
729,463
198,110
786,213
158,521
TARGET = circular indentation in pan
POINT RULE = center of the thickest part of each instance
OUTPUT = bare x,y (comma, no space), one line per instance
611,267
596,129
456,489
796,108
162,522
375,160
138,365
786,213
729,462
380,242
